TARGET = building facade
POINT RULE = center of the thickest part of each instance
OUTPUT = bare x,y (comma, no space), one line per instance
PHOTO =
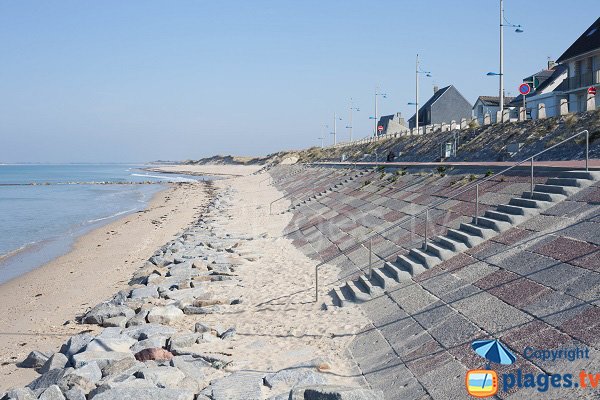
446,105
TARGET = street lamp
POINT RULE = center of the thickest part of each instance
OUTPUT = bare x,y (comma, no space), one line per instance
416,103
352,108
334,133
503,23
321,139
384,95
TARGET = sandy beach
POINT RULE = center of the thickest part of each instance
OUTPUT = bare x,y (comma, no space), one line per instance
276,322
38,309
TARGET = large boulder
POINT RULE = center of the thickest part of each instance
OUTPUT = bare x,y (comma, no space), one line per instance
168,377
76,344
52,393
103,358
35,359
164,315
48,379
238,385
122,343
103,311
294,377
147,331
148,393
57,361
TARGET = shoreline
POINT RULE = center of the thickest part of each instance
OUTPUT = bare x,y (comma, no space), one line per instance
215,170
49,297
44,251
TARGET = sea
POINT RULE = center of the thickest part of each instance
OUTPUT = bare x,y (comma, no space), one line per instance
45,208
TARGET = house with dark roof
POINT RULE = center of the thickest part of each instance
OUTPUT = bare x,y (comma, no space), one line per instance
392,124
582,59
446,105
490,105
546,88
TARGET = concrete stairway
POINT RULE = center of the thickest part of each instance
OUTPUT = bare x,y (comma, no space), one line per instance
442,248
328,190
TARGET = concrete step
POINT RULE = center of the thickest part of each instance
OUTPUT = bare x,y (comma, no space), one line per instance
396,272
338,297
366,284
573,182
439,250
356,294
452,244
515,210
500,216
411,265
589,175
564,190
464,237
379,278
478,230
527,203
425,258
498,226
543,196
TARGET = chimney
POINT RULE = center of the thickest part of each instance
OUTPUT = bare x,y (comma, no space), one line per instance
551,64
435,89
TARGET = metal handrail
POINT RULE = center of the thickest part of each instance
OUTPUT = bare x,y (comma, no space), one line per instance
474,185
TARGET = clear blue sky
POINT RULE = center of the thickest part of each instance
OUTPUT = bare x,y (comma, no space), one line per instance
145,80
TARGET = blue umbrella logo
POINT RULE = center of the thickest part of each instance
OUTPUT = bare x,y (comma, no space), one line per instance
493,351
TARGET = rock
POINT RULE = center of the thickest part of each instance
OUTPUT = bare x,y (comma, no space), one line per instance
144,292
125,393
103,311
35,359
208,302
201,310
295,377
188,295
154,354
194,368
103,358
52,393
201,328
70,381
57,361
320,392
75,394
168,377
21,394
149,330
238,385
48,379
120,298
111,332
153,342
91,371
120,366
182,340
228,334
120,344
119,322
164,315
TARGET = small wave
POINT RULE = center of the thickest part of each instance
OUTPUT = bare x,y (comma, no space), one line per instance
167,178
91,221
16,251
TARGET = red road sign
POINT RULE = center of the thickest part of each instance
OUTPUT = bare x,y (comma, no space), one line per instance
592,90
524,89
380,128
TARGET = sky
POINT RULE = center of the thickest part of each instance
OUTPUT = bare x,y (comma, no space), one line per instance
131,81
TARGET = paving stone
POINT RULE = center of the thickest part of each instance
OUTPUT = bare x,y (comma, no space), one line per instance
558,276
474,272
586,231
573,251
555,308
455,330
412,298
490,313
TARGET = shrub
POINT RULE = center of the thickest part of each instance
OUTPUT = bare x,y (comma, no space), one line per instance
366,183
489,173
472,178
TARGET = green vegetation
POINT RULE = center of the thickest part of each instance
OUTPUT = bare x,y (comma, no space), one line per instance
489,173
367,183
472,178
442,170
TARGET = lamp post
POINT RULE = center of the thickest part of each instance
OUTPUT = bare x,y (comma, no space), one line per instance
321,139
375,117
416,102
352,108
503,23
334,133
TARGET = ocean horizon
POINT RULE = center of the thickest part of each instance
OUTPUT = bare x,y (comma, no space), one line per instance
44,208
